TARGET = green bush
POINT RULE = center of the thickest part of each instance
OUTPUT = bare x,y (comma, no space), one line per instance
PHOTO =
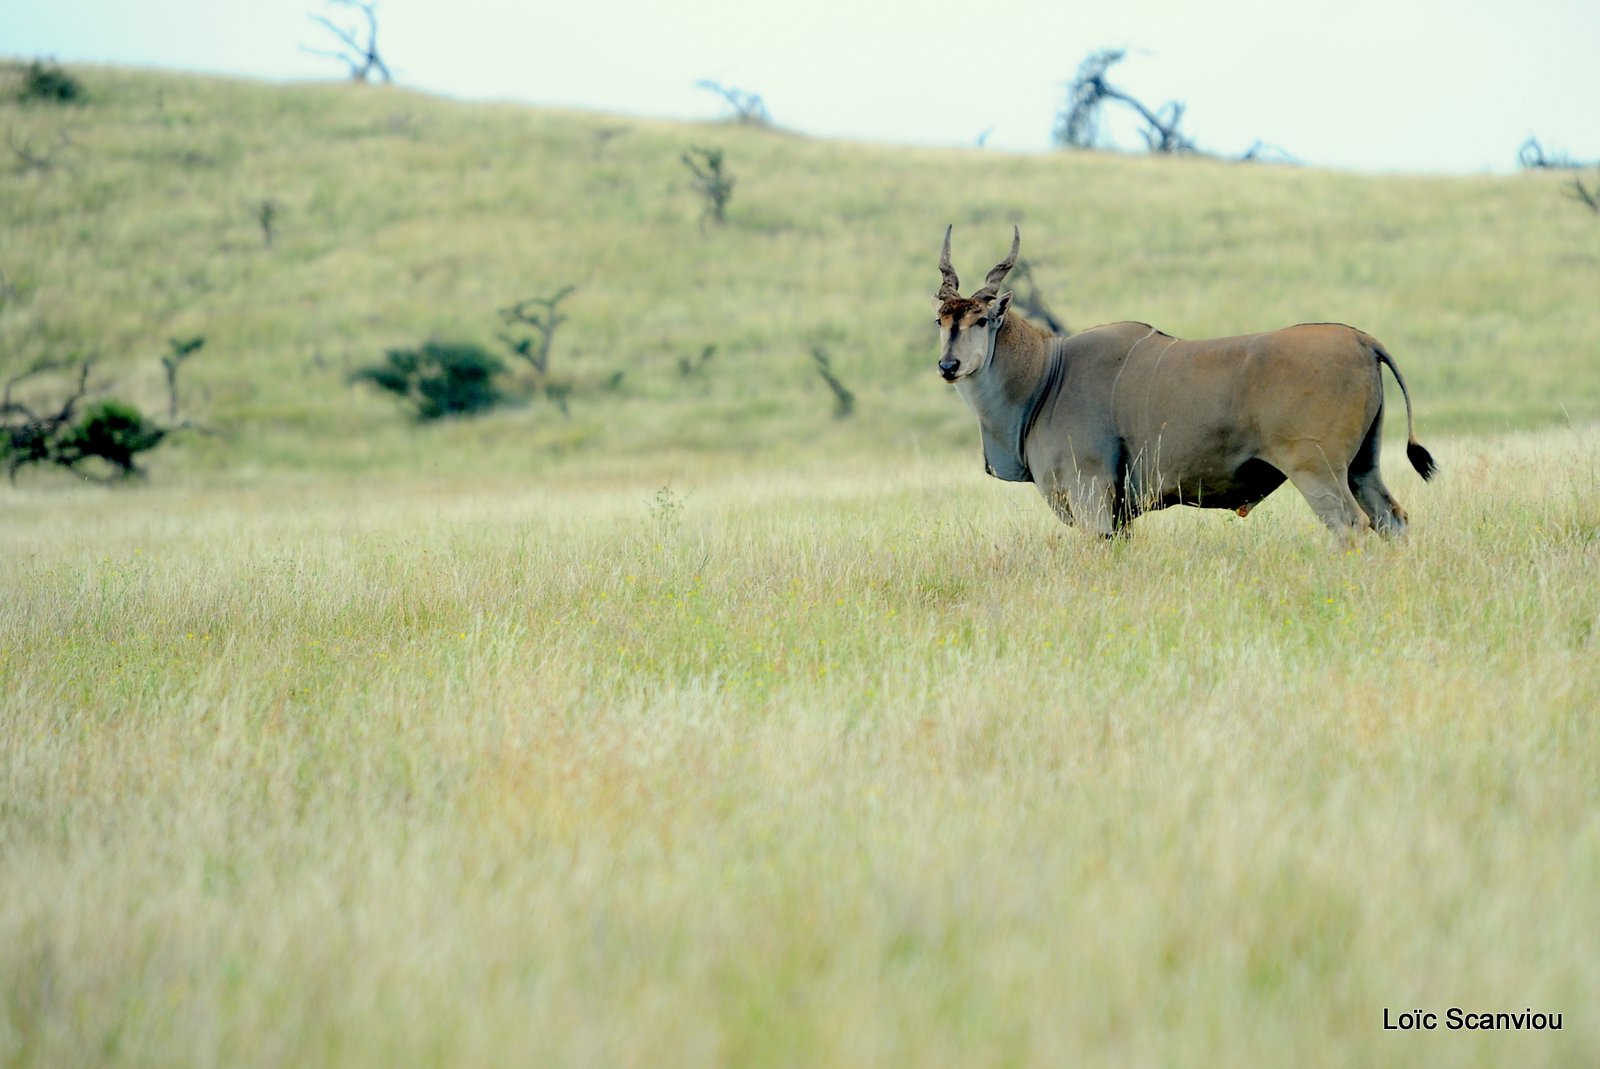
112,431
47,81
440,379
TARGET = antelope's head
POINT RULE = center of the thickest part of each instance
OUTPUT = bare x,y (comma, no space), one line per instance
968,325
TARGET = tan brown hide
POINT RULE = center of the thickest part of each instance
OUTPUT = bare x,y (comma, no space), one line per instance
1122,419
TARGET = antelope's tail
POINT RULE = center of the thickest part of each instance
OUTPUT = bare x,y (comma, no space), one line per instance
1420,458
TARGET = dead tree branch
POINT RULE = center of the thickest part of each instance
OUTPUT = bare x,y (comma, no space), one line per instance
748,108
361,56
1078,123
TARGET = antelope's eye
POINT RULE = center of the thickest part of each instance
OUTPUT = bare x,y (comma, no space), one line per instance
983,321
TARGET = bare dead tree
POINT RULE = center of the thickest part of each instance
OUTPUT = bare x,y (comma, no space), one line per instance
748,108
358,53
1078,122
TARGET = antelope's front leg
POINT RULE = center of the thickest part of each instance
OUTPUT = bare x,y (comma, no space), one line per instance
1084,498
1060,503
1094,503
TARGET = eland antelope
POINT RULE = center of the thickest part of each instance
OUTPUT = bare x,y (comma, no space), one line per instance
1122,419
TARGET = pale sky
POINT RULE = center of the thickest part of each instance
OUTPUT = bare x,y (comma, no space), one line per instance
1440,86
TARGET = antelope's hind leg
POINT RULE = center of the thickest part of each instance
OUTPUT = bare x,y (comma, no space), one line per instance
1366,484
1326,489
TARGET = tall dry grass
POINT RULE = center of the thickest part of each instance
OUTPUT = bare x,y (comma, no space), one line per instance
833,765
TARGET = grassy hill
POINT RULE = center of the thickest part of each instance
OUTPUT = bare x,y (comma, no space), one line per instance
400,217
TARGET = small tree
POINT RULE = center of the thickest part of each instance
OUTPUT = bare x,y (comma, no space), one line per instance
711,182
110,431
439,379
543,315
358,53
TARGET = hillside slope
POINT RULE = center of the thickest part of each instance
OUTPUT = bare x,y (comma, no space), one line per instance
400,217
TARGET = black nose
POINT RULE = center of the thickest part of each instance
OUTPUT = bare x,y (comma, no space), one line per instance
948,367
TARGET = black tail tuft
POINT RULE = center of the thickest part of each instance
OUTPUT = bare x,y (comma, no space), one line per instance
1421,459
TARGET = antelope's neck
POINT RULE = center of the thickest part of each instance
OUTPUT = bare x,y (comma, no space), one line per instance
1000,391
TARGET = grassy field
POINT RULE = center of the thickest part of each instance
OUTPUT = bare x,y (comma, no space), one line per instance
846,767
703,728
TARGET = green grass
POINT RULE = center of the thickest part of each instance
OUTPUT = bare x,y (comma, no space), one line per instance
702,728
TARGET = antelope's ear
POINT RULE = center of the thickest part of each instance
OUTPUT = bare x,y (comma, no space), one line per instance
997,311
